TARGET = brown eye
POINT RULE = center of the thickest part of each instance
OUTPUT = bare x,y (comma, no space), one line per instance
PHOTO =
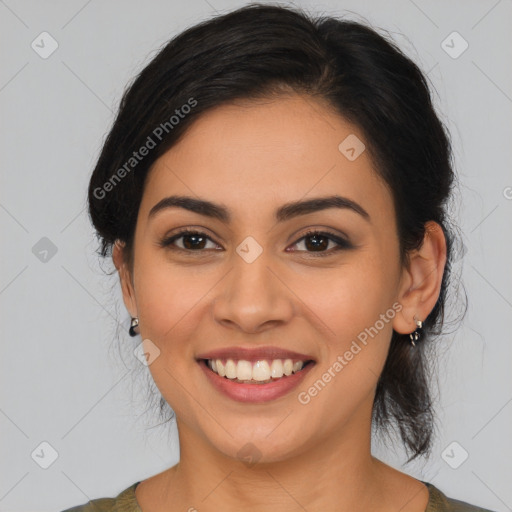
191,241
318,242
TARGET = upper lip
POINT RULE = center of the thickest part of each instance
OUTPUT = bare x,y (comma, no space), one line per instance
254,354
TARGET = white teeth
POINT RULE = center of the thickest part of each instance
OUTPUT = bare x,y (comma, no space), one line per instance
259,371
244,370
276,369
230,369
220,368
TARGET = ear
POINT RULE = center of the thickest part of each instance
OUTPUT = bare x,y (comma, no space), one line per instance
421,281
125,278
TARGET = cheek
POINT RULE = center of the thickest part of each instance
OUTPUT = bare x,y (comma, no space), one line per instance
168,300
349,298
356,306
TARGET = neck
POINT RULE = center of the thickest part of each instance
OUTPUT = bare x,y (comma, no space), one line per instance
337,473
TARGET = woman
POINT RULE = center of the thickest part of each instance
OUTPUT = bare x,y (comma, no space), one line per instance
273,196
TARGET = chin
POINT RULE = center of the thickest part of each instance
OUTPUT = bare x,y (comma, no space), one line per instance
260,448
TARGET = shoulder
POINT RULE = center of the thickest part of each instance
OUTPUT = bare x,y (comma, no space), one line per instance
439,502
98,505
125,501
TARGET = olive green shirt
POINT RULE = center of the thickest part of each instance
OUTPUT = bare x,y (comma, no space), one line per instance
126,502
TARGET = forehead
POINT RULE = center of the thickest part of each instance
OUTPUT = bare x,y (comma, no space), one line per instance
254,154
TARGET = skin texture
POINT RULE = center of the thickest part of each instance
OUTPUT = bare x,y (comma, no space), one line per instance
253,157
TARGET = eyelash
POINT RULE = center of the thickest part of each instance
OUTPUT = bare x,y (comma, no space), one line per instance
342,243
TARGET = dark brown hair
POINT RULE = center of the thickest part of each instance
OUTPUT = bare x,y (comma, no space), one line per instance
262,50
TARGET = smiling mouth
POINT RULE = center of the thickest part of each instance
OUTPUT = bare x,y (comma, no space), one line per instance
262,371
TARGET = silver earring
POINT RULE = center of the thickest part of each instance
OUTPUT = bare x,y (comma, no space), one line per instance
415,336
134,323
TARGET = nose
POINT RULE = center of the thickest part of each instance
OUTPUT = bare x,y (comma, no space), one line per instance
253,297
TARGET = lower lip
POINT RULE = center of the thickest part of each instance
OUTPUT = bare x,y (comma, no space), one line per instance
255,392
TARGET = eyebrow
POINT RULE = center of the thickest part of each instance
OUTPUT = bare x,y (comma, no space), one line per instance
283,213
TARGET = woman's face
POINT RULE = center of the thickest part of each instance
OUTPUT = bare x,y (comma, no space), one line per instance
251,280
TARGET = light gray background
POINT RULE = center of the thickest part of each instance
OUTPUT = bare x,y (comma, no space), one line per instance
60,383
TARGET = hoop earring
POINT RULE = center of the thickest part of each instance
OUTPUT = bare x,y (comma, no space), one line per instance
415,336
134,323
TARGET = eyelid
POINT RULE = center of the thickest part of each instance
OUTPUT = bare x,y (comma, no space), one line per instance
342,242
167,242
